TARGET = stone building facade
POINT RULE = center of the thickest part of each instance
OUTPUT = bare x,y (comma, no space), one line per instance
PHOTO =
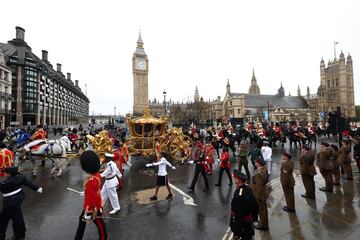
5,92
41,94
336,87
254,106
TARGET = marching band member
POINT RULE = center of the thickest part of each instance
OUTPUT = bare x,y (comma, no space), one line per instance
92,209
199,149
200,167
224,166
278,130
220,134
111,175
119,160
209,151
13,196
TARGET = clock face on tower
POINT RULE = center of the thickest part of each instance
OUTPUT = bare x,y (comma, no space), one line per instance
140,64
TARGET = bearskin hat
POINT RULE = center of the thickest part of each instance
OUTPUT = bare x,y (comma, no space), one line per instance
90,161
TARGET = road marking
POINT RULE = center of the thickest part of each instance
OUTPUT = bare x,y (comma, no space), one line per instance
186,198
227,235
73,190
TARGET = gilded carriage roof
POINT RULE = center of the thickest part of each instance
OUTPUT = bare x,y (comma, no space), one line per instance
147,119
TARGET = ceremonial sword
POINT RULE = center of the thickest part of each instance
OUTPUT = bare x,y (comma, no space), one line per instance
100,217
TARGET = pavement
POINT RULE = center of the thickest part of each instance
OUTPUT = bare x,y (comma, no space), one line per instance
54,214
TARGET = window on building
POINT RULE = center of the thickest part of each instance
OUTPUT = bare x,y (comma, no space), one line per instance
238,111
230,103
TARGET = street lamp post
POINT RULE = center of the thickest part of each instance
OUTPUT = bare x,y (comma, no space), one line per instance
6,114
164,94
268,110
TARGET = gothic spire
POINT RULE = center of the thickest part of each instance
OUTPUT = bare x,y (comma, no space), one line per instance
140,38
228,86
140,46
253,79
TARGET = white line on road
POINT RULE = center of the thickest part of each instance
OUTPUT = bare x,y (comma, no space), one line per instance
187,199
226,234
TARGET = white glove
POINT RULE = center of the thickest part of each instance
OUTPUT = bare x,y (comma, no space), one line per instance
173,167
207,158
82,194
218,160
191,162
40,190
87,217
148,165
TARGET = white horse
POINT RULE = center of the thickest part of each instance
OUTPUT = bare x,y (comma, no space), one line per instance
54,150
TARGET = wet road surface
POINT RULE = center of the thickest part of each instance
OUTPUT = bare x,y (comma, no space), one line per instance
54,214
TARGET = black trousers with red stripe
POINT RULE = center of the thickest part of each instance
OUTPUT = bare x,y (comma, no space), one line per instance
99,224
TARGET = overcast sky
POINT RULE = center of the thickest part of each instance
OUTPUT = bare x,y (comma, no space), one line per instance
188,43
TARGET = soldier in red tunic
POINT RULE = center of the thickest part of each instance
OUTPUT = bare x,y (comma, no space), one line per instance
209,151
224,166
119,160
6,158
199,150
92,210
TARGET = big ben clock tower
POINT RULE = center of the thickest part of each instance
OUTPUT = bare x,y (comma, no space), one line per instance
140,65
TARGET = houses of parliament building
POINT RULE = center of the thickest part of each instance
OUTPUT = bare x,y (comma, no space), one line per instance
336,88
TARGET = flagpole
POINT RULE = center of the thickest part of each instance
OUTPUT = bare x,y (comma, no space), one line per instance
335,43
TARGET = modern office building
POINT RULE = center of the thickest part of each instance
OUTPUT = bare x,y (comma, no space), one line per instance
41,94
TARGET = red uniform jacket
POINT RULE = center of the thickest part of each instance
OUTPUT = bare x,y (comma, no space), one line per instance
263,133
220,135
225,163
209,150
74,138
40,134
119,159
6,160
92,195
199,149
